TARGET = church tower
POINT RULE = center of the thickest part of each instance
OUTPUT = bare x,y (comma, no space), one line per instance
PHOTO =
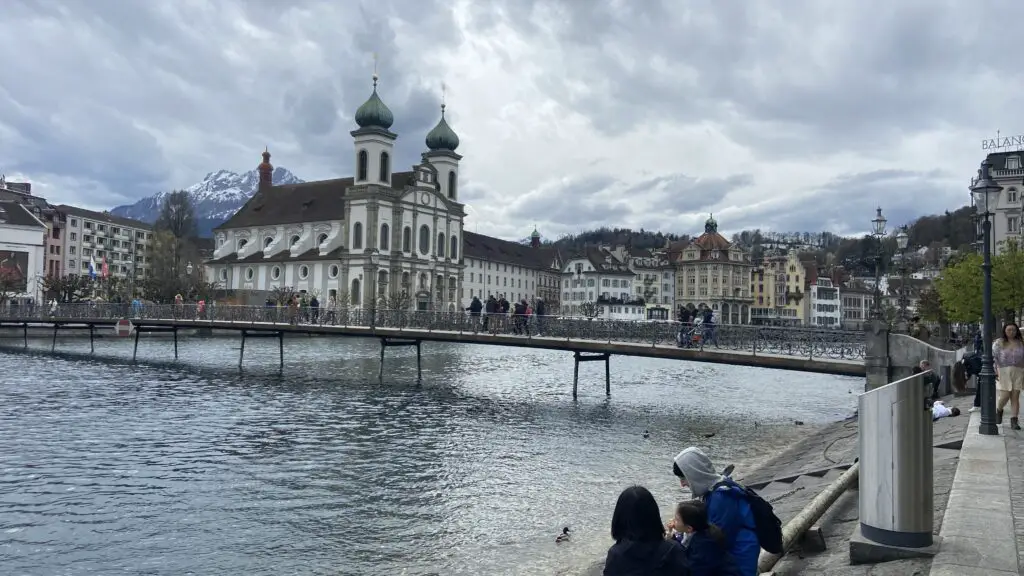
266,171
374,141
441,143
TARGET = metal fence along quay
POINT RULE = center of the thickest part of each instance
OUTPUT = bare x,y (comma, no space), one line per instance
810,343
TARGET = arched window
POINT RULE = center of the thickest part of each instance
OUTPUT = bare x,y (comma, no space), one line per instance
385,238
268,241
321,239
407,239
424,239
440,245
357,236
354,293
363,163
385,167
454,252
452,182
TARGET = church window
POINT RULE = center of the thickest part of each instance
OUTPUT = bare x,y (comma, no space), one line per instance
424,239
357,236
321,239
454,252
363,165
268,241
354,293
452,180
407,239
440,245
385,167
295,240
385,239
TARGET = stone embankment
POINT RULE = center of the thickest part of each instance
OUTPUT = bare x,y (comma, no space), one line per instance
793,478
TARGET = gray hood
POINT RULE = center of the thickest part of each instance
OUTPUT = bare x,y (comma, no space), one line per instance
700,473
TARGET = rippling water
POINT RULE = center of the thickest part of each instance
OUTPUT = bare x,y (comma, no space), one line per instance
194,468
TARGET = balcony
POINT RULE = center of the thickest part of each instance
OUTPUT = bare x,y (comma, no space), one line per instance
620,301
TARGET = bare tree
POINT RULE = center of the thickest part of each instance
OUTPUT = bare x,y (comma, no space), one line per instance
71,288
590,309
10,285
282,295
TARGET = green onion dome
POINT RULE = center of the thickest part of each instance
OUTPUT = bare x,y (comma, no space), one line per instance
374,113
442,137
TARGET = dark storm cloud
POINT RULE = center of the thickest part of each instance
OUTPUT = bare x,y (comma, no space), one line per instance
847,204
839,76
134,97
603,200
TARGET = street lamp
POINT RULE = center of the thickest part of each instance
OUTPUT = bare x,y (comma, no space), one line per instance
878,231
902,240
986,193
374,262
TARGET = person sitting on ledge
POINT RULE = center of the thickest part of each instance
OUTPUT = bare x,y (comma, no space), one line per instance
640,545
930,379
727,506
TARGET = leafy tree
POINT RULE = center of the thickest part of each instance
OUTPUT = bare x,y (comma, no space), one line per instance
961,284
960,288
929,306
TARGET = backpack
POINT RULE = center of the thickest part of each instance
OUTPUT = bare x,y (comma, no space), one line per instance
767,525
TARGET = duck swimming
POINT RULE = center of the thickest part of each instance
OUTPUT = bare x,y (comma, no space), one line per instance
647,434
563,537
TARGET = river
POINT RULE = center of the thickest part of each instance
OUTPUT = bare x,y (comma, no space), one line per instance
193,467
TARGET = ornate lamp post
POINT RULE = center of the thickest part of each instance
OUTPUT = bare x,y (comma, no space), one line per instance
902,240
878,231
986,193
188,279
374,263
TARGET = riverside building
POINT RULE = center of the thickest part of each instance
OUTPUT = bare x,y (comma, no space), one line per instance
375,234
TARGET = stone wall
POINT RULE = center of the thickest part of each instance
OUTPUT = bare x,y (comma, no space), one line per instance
891,356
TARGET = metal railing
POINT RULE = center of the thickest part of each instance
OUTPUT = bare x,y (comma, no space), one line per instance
772,340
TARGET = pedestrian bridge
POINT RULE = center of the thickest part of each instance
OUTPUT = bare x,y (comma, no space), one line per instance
804,349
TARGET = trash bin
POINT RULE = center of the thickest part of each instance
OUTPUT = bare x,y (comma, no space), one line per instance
896,481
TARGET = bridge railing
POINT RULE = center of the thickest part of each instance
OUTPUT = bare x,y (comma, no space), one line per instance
786,341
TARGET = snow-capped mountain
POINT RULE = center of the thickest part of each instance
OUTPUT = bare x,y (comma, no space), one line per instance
216,198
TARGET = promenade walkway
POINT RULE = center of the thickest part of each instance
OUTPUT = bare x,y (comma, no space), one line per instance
983,529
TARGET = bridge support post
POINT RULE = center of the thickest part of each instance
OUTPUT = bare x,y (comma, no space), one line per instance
56,326
92,341
386,343
175,330
280,349
241,351
581,357
25,328
135,350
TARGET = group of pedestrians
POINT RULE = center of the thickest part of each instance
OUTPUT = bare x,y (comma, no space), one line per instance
696,327
497,314
719,533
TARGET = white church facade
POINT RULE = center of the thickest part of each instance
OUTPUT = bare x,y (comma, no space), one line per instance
394,234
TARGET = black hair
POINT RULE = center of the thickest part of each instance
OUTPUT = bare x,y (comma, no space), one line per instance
694,513
637,517
954,411
1002,336
677,471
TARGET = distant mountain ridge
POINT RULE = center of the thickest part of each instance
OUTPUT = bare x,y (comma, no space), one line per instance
219,195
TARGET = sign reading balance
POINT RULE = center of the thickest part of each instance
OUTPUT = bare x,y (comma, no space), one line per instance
1003,143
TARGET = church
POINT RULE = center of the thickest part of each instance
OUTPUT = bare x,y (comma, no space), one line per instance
397,235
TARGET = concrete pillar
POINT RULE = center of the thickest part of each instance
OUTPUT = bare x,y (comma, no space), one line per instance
876,354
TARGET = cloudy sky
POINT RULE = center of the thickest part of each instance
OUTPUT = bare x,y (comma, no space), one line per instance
779,114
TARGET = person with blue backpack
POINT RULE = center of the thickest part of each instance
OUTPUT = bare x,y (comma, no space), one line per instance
745,519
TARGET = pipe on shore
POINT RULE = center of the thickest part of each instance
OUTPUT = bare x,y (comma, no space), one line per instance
808,516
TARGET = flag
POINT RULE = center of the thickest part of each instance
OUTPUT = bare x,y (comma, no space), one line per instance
92,267
105,270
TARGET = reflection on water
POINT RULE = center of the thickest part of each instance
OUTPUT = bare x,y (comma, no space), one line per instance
193,467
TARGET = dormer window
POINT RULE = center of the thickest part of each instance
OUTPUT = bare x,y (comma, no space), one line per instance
1013,162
